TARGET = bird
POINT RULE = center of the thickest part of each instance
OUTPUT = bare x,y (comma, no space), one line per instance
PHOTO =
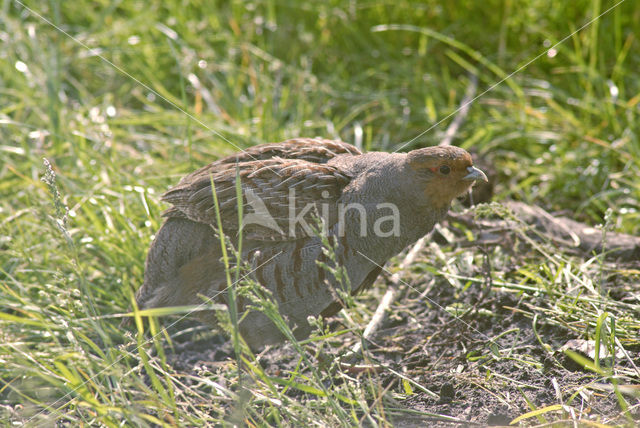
372,205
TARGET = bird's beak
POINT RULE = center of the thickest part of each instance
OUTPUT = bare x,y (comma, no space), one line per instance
475,174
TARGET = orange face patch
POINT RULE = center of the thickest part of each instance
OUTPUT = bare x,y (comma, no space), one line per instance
448,165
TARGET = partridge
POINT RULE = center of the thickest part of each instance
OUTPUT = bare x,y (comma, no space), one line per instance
372,205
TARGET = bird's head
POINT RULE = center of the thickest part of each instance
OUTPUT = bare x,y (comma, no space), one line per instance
443,173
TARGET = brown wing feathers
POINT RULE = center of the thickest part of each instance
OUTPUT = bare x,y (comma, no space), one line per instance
295,173
315,150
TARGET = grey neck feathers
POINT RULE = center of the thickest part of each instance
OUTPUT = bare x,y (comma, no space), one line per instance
382,181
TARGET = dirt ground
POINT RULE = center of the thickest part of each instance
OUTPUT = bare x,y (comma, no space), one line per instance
474,382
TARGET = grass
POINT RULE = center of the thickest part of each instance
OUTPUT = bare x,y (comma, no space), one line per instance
562,133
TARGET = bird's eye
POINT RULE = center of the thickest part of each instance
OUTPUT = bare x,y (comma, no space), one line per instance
444,169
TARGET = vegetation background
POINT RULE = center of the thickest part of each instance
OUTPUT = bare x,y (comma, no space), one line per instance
123,97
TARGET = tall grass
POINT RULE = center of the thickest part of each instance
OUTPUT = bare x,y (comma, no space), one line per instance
562,133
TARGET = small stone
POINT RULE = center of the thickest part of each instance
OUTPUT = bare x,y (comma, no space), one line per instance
447,393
